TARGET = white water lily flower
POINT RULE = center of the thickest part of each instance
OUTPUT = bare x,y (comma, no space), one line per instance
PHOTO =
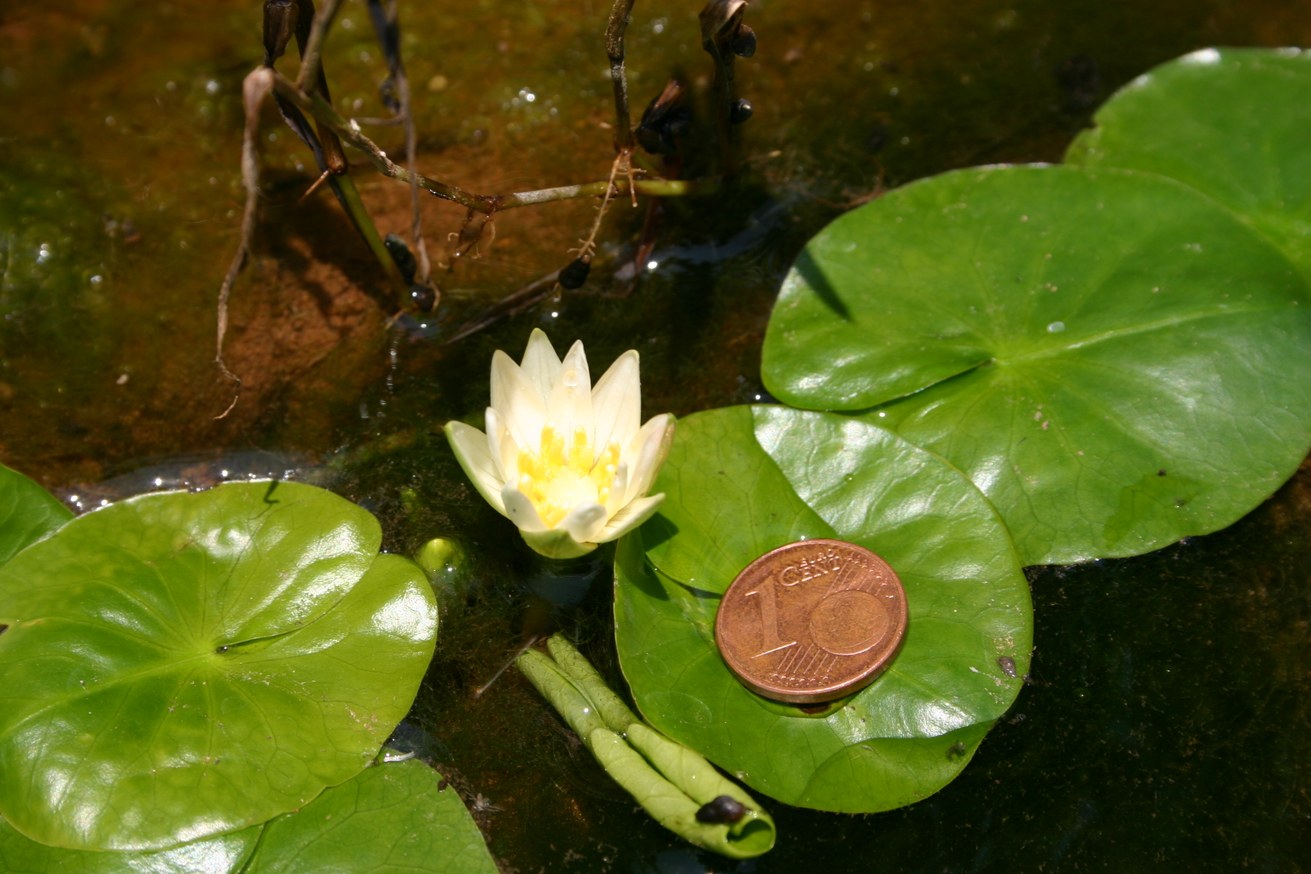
566,462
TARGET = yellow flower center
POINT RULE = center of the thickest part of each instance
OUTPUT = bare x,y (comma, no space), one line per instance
558,478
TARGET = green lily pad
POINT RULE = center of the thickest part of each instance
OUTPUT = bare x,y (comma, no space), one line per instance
1115,360
392,818
1232,123
744,480
180,665
27,513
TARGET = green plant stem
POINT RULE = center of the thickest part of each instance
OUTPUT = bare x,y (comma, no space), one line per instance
322,111
368,230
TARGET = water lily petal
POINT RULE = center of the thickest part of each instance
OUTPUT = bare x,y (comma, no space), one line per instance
556,543
540,363
516,399
618,489
570,404
617,401
584,521
632,515
503,447
648,451
521,510
471,450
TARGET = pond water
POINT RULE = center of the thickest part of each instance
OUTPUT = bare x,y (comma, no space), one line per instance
1167,714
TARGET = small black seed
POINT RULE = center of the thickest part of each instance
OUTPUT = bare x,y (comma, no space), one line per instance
574,274
724,809
741,111
744,43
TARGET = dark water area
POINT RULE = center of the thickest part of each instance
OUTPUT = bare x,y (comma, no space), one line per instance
1166,722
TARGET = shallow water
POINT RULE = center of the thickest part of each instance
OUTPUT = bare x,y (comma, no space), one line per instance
1167,716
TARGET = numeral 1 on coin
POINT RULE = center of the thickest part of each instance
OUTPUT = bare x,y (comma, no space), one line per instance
771,640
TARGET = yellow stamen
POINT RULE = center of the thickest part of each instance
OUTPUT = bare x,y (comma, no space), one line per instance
558,478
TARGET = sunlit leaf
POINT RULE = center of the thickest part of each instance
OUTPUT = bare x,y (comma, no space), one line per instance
392,818
744,480
184,664
1232,123
1114,359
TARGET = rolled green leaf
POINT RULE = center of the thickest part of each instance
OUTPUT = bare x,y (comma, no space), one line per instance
676,785
703,784
673,806
578,669
558,689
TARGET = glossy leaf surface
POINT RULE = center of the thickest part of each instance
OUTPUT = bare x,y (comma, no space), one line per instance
27,513
391,818
743,480
1115,360
184,664
1232,123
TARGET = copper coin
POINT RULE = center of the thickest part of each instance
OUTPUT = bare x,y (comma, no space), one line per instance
812,621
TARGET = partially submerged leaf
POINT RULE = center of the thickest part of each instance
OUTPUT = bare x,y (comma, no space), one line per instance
180,665
743,480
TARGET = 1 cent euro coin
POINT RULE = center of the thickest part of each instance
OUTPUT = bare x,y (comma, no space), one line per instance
812,621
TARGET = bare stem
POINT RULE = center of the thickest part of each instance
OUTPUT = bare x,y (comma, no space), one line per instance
614,48
310,56
254,91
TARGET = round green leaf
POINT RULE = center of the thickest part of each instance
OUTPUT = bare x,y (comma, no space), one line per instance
1115,360
743,480
1233,123
27,513
392,818
179,665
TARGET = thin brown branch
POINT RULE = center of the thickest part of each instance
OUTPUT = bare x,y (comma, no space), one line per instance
615,28
254,91
488,203
311,51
